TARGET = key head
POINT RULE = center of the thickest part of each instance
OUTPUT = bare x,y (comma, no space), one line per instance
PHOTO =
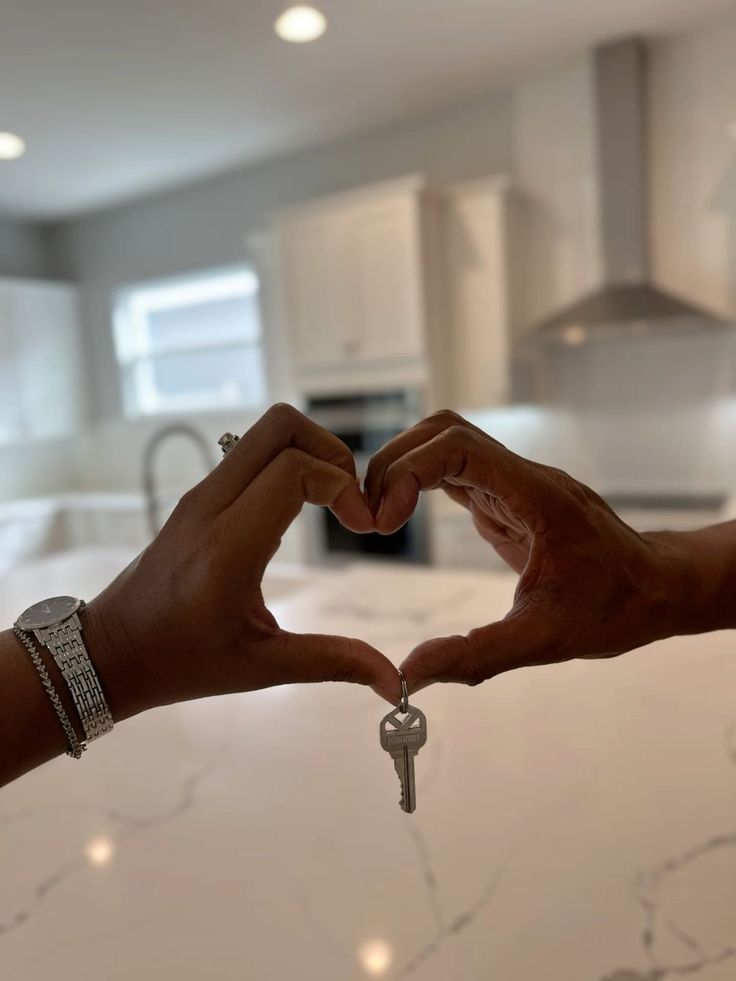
401,731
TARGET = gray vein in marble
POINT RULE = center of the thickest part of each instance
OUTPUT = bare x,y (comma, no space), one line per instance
320,929
427,774
459,924
646,890
187,799
131,826
428,874
690,942
12,817
418,616
444,930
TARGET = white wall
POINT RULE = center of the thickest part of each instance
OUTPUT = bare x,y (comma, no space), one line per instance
35,467
513,130
206,225
693,164
556,244
620,418
661,414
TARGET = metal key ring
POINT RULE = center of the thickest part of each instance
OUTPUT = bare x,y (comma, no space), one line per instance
404,703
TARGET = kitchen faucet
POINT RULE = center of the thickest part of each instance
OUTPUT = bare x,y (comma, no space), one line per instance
149,456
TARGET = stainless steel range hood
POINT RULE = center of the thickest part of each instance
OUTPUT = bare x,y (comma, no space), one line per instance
627,304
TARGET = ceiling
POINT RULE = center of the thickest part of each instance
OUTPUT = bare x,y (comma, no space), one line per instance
119,98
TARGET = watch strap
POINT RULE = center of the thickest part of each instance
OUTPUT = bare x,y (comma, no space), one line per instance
65,642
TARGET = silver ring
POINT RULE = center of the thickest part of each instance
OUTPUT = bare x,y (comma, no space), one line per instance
227,441
404,704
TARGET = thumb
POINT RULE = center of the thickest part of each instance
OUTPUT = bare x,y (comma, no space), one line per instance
485,652
322,657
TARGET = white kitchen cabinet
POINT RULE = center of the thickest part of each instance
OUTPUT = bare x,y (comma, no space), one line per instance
315,270
386,277
40,360
473,346
352,271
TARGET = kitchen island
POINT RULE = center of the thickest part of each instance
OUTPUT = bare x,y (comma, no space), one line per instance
574,823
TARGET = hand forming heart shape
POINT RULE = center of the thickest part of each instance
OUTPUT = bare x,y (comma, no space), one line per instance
187,618
589,586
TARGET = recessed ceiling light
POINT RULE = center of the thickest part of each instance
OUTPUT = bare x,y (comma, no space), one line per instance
301,24
11,146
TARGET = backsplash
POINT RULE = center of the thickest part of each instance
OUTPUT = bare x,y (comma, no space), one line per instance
653,414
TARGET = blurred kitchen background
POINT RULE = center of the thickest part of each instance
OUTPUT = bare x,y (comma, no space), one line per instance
521,210
387,221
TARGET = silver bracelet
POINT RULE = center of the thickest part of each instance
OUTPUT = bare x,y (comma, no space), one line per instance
55,624
76,747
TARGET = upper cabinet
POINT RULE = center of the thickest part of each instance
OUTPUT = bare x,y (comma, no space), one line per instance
475,327
40,360
396,285
352,270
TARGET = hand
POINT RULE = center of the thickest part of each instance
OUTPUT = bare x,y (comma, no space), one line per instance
187,617
589,585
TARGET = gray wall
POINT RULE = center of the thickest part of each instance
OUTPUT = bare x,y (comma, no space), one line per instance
540,130
23,249
206,224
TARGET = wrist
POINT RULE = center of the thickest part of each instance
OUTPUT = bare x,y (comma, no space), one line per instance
697,580
114,658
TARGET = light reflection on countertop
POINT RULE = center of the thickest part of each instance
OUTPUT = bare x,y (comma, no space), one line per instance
573,822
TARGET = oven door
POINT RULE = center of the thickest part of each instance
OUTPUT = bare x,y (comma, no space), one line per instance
365,423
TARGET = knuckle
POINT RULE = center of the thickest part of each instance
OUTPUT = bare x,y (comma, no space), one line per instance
471,668
187,506
574,492
344,667
282,415
455,445
457,434
341,457
446,417
561,478
291,459
463,665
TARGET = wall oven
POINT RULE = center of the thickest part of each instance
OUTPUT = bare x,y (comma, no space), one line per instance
365,422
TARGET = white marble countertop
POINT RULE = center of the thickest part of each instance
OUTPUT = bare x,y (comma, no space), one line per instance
574,823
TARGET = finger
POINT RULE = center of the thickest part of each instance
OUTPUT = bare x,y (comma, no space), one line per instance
515,642
515,553
275,497
281,427
466,458
424,431
458,494
320,657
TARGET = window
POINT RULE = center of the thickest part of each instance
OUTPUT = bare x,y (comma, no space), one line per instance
191,343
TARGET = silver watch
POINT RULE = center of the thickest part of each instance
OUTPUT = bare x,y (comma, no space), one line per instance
55,624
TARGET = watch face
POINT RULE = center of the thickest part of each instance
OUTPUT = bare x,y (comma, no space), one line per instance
48,612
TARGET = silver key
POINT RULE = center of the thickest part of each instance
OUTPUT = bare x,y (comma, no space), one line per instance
403,733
